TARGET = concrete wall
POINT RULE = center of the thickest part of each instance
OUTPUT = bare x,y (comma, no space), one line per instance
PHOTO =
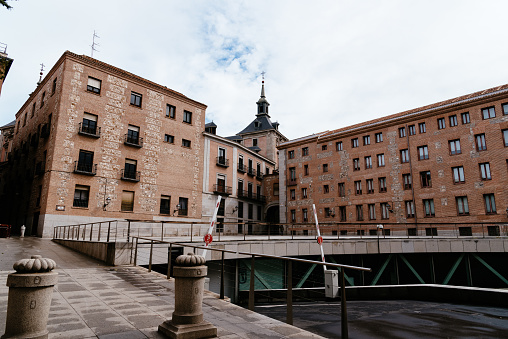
109,252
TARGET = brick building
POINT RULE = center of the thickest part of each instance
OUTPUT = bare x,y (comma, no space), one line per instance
445,162
94,142
5,64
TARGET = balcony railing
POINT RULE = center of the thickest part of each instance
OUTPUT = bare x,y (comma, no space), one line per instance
242,168
80,203
165,210
94,132
182,211
85,168
292,182
131,141
130,175
259,175
251,171
242,194
221,189
222,161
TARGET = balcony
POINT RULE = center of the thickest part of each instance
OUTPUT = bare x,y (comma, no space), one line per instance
182,211
241,168
292,182
133,141
222,161
93,132
85,168
259,175
130,175
221,189
242,194
251,171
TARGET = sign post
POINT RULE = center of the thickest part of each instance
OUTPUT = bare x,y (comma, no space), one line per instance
319,238
208,238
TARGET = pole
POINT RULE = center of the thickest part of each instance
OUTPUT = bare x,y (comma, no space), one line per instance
343,312
320,239
289,297
251,288
151,255
170,250
208,236
222,278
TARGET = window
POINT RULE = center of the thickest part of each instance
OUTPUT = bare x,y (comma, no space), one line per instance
53,89
382,185
94,85
380,160
488,113
186,143
169,138
462,206
404,155
430,231
481,144
260,213
422,128
328,212
291,154
485,171
165,204
293,216
366,140
184,205
43,98
465,118
254,142
136,99
304,193
385,210
24,120
372,211
356,164
425,179
412,130
493,231
453,121
305,151
39,195
326,189
423,152
240,209
338,145
454,147
89,125
490,203
379,137
85,162
458,175
505,109
292,173
358,187
130,170
368,162
410,209
428,208
127,201
305,215
342,189
33,109
240,188
354,142
402,132
187,117
305,169
324,147
342,213
81,196
359,212
370,186
325,167
170,111
505,137
132,135
441,124
406,178
292,194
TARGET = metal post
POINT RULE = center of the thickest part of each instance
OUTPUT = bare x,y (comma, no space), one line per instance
170,252
128,230
68,231
269,226
109,230
99,235
191,231
343,312
136,253
483,230
289,296
162,230
78,232
151,255
222,278
84,231
251,288
91,231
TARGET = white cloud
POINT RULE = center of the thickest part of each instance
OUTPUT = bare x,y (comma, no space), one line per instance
329,64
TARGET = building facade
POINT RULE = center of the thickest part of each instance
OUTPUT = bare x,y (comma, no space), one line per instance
442,163
5,64
94,142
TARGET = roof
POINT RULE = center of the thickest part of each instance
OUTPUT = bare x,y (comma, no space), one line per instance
10,124
261,123
210,124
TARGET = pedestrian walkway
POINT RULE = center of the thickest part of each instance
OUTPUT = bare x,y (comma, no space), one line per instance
92,300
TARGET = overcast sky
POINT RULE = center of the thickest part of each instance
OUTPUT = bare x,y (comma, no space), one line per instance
328,64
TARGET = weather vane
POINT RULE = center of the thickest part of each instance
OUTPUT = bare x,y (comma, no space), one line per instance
40,74
263,75
94,43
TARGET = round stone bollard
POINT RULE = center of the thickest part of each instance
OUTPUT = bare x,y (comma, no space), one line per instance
187,320
30,293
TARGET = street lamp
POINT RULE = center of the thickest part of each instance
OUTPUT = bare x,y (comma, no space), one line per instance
177,208
106,203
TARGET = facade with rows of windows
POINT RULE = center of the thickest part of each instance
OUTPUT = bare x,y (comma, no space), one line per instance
94,142
442,163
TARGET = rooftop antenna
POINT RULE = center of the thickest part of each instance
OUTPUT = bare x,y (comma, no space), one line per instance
40,74
94,43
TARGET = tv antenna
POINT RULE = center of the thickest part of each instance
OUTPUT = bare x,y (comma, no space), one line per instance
94,43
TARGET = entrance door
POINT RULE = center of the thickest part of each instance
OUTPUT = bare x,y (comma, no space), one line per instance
35,223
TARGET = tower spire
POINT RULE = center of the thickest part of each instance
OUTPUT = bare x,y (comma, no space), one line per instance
262,102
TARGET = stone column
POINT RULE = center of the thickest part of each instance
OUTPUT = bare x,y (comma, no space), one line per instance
30,293
187,321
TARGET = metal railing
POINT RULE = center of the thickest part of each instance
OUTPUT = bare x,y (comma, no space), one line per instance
85,168
133,141
222,189
89,131
222,161
130,175
251,303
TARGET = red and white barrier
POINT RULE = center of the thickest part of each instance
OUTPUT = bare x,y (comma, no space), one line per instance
319,238
208,238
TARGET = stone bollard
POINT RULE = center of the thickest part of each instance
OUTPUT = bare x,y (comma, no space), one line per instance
23,228
30,293
187,321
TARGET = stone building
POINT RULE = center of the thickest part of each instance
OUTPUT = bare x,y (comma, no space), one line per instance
442,163
5,64
94,142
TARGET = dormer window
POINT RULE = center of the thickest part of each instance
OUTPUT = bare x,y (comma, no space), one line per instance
256,124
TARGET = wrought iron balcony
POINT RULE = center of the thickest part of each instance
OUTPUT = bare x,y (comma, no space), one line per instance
94,132
222,161
80,203
251,171
182,211
292,182
242,194
242,168
259,175
221,189
130,175
133,141
85,168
